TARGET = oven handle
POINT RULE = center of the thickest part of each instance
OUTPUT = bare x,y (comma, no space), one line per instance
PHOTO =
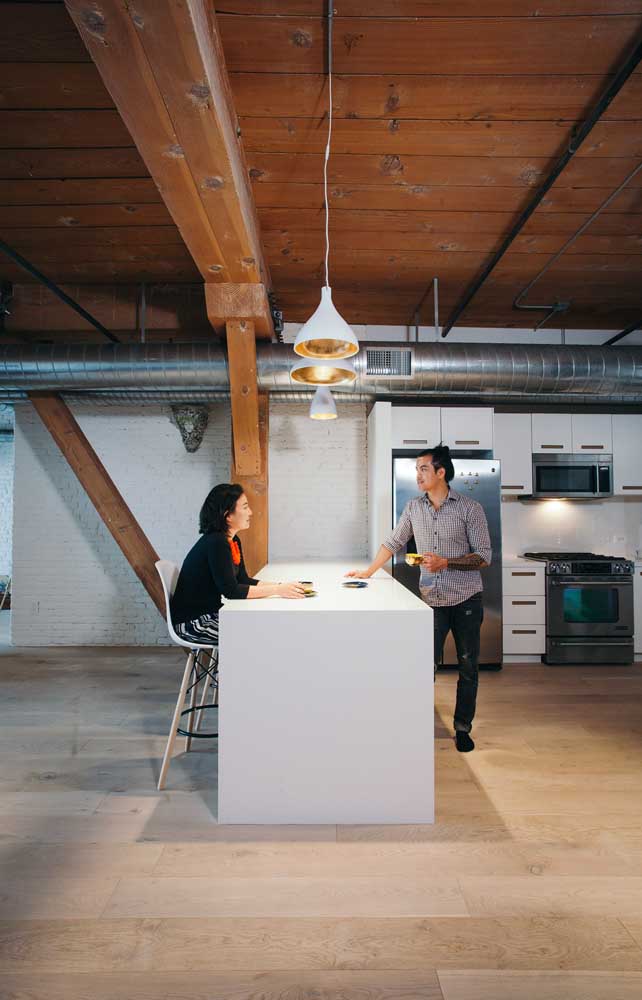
599,641
618,581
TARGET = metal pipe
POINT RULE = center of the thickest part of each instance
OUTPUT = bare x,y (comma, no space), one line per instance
487,371
624,333
563,306
576,141
53,287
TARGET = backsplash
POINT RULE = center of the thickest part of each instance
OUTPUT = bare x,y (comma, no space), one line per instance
611,527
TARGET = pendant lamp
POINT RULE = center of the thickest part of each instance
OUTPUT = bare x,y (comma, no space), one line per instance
326,336
331,372
323,406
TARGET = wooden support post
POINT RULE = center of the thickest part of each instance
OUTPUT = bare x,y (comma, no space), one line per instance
101,490
255,541
241,356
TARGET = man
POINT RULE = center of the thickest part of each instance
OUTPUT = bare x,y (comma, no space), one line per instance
451,532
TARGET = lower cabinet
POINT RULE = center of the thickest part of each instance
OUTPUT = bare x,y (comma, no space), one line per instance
524,610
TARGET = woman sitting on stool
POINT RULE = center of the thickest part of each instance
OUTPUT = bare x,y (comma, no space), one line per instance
214,568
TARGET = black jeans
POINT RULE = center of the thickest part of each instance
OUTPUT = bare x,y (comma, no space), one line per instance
464,620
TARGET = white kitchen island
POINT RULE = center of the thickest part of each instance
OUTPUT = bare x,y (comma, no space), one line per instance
326,703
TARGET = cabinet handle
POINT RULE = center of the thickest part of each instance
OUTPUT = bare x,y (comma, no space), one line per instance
524,631
415,440
592,447
466,442
522,572
551,446
523,602
632,487
522,487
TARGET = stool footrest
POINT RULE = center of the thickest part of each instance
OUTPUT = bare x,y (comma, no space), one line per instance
197,736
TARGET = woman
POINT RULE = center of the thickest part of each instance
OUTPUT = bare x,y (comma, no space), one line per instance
214,568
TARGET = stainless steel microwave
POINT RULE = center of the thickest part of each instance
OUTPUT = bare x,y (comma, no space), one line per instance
581,477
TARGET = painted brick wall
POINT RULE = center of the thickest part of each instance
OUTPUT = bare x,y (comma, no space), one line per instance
72,585
318,479
6,503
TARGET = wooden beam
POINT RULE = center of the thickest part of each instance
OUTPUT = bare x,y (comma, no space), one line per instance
255,541
176,102
101,490
227,301
241,354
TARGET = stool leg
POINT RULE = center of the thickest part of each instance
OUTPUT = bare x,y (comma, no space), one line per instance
192,705
206,689
171,740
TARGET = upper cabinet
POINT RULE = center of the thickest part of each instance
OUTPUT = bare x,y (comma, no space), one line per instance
627,454
463,428
551,432
513,449
416,426
592,432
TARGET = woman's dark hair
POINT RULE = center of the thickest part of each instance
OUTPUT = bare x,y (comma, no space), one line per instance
441,460
219,502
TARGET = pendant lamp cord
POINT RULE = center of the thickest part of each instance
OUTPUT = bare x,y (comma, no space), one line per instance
327,148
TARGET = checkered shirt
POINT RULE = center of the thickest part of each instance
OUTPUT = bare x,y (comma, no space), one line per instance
457,528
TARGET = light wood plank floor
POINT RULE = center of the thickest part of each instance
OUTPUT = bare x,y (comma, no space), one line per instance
529,884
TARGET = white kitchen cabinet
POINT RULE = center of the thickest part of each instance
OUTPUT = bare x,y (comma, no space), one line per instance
637,607
524,640
523,581
524,609
416,426
467,427
512,446
552,433
592,432
627,454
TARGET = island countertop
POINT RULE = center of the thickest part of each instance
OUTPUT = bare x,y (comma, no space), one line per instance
383,592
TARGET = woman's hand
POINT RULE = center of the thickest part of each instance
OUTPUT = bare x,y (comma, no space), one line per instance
291,591
364,574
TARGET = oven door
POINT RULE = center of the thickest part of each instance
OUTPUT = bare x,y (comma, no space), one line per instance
589,607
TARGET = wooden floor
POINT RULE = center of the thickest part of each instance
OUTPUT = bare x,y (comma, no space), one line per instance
528,885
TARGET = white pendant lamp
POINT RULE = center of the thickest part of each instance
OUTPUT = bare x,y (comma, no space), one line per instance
326,335
330,372
323,406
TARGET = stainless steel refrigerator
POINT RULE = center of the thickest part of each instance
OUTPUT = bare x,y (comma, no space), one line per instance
479,479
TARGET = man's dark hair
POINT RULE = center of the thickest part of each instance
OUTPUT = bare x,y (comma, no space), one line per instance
441,459
219,502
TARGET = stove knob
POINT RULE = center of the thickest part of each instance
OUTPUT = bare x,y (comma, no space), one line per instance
554,568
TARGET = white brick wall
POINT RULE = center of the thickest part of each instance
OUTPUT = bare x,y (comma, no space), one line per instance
318,475
72,585
6,502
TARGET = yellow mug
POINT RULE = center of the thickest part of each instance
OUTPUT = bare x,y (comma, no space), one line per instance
413,558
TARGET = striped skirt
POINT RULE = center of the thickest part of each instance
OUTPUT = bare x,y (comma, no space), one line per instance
203,630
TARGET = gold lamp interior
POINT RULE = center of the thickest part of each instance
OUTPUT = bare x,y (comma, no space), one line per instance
323,375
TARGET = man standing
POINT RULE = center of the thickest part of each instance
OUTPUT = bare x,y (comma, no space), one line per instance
451,532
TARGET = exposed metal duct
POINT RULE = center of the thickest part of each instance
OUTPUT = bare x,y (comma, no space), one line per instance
198,372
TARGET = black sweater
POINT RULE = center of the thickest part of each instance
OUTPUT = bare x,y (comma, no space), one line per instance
208,573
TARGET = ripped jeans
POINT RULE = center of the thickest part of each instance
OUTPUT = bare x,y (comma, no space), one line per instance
464,620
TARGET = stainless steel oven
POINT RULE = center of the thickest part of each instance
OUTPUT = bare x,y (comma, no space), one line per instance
589,608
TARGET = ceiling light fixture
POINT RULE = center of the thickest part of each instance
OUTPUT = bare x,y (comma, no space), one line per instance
326,338
323,406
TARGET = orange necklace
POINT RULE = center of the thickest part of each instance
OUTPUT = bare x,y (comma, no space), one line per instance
236,552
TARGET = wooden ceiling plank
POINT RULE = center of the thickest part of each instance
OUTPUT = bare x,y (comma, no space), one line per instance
71,163
98,191
52,85
433,8
482,45
37,32
88,216
125,236
193,81
113,42
102,491
63,129
393,137
395,98
241,357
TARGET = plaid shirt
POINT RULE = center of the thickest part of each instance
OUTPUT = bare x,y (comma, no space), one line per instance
457,528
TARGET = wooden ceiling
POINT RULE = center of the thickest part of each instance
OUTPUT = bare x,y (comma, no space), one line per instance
445,124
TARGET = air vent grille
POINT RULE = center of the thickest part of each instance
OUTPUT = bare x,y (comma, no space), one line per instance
387,363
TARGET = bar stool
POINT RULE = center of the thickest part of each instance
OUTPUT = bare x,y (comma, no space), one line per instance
201,666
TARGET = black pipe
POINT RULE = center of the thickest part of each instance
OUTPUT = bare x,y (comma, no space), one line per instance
612,90
618,336
15,256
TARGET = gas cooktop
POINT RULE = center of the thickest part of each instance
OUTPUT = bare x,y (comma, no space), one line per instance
582,563
546,556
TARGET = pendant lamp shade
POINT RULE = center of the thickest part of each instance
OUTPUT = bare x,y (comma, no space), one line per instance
323,406
331,372
326,334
